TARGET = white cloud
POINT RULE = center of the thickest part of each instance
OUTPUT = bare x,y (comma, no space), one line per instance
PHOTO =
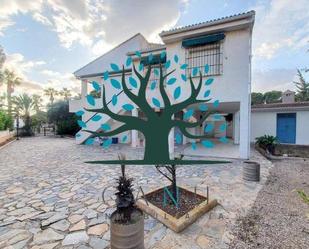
98,24
283,25
23,68
19,65
4,24
273,79
42,19
13,7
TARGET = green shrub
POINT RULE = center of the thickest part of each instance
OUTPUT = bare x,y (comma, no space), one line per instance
65,121
6,121
68,126
267,142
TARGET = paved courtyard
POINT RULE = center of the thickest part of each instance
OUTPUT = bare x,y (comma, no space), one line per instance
49,198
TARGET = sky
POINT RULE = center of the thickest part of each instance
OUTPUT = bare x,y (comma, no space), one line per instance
45,41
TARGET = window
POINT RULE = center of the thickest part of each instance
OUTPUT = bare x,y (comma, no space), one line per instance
210,54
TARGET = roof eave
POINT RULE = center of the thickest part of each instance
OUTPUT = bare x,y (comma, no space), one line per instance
152,50
281,109
236,22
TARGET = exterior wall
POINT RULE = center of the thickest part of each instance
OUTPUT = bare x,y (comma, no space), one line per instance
265,123
302,127
233,85
117,55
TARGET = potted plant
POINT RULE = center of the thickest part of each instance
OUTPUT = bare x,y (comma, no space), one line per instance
127,222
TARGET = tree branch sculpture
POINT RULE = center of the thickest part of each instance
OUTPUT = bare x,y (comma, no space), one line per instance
155,126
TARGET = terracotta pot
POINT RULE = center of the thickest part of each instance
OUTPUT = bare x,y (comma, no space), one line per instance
128,236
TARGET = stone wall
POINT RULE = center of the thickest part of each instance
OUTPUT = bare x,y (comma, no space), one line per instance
292,150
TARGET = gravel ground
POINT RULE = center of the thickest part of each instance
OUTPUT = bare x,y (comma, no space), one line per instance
279,218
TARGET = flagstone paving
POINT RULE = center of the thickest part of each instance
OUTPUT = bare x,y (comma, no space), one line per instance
50,198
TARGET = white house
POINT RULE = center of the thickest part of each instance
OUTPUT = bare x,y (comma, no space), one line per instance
224,44
288,121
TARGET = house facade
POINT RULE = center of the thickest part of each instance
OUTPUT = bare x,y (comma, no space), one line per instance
288,120
224,44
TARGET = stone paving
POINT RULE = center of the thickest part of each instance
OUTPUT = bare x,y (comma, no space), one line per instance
49,198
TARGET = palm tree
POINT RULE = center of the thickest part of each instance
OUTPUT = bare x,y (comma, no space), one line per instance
37,102
23,106
66,93
23,103
2,60
2,57
51,93
11,80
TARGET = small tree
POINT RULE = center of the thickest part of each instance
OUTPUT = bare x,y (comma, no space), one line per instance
302,87
66,122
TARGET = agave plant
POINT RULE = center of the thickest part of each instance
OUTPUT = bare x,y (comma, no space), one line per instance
267,142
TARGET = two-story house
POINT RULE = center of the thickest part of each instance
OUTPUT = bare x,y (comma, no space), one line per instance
224,44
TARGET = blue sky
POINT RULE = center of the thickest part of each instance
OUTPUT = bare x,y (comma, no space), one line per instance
46,40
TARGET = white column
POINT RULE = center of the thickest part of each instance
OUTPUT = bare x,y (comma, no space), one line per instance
244,124
134,133
171,145
84,90
236,127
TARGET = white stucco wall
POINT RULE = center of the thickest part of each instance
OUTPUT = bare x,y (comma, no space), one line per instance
233,85
265,123
302,127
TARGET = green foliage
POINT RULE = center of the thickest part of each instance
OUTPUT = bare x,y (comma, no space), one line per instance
302,87
27,131
272,97
65,93
65,121
95,94
267,142
303,195
267,97
257,98
23,105
51,93
6,121
39,118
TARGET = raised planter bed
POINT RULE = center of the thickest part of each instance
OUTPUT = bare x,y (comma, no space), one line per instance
191,207
6,137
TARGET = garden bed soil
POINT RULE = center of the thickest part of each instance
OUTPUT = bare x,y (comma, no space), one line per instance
187,202
6,141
